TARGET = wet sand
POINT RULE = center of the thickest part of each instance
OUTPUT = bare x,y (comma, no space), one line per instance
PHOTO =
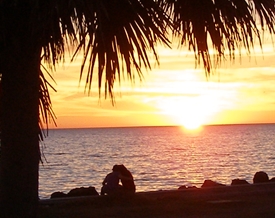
231,201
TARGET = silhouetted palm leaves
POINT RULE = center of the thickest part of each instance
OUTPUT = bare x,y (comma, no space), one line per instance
115,38
228,24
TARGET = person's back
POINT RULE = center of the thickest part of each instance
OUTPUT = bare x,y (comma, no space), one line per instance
128,184
110,183
112,180
127,179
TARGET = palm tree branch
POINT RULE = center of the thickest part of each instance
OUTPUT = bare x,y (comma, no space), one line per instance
229,23
117,20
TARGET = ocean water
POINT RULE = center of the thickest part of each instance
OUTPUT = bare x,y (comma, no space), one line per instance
160,158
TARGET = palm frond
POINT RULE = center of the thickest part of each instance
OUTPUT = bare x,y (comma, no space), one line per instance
265,11
45,105
229,24
115,36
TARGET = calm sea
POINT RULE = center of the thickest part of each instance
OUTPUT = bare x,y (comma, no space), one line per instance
160,158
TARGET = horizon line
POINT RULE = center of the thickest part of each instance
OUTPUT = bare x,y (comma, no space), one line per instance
152,126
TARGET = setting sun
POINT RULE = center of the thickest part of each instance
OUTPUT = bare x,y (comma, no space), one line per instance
183,114
192,125
175,93
193,110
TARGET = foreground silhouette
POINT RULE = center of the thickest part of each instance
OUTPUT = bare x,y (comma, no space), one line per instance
253,201
115,38
111,182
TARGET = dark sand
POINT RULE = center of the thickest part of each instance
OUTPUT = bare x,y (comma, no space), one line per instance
246,201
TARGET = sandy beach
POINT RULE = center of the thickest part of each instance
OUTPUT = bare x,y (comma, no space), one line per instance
257,200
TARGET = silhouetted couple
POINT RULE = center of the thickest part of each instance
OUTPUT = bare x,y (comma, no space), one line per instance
111,183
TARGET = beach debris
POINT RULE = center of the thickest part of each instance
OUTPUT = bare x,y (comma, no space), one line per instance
76,192
209,183
182,187
58,195
260,177
239,182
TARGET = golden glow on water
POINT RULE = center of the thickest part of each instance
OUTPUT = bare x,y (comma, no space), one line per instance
160,158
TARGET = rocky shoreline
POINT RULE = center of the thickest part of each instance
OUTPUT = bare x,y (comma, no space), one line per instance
255,200
217,200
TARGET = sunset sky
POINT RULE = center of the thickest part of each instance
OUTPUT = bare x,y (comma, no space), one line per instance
174,93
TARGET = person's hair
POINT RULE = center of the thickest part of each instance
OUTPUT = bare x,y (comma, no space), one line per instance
124,171
116,168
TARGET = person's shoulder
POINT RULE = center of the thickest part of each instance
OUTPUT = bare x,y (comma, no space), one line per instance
109,174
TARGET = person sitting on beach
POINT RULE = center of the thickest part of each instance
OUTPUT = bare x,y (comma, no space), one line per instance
111,182
127,179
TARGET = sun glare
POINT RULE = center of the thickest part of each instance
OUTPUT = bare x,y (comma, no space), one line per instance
192,125
191,118
190,113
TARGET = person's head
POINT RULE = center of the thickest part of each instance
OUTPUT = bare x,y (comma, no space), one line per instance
115,168
123,170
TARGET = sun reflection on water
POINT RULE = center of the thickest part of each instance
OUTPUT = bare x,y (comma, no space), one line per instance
158,157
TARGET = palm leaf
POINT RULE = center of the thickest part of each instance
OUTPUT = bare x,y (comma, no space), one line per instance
45,105
229,24
114,36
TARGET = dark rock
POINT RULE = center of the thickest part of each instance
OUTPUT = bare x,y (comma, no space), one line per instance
210,183
186,187
82,192
239,182
58,195
272,179
260,177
